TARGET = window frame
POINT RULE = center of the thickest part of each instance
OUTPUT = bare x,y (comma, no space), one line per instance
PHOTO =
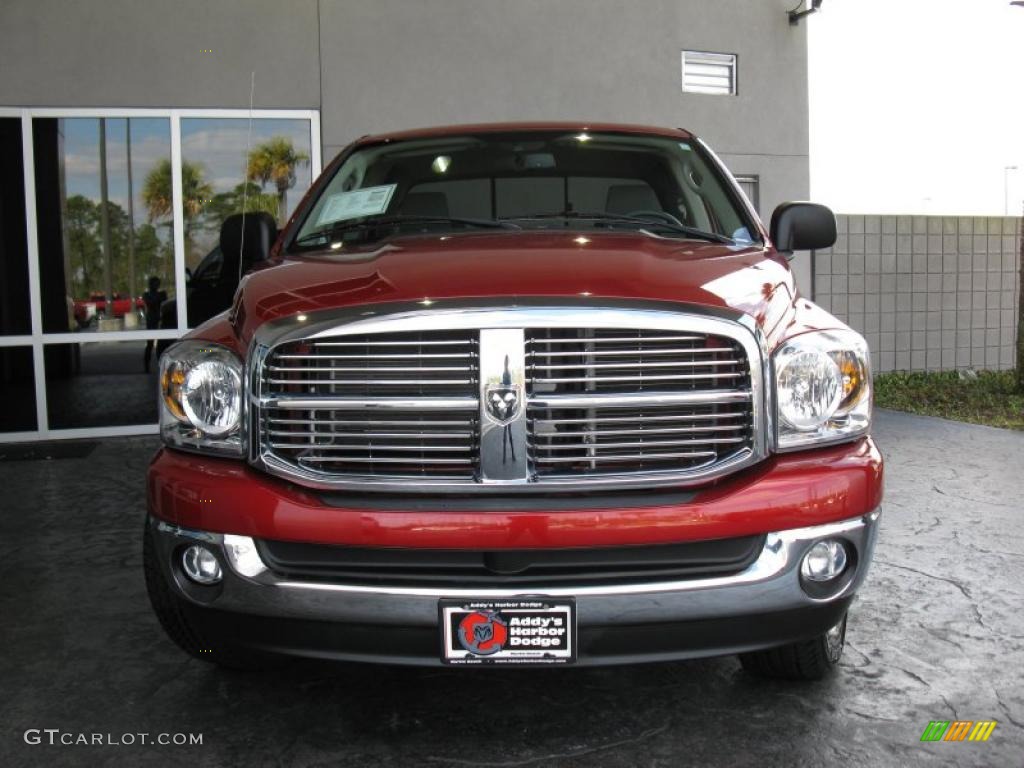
37,339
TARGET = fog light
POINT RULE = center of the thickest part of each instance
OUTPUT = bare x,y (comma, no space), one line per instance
824,561
201,565
243,555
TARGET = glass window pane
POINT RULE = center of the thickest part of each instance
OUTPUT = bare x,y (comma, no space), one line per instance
106,245
101,384
217,177
17,390
14,303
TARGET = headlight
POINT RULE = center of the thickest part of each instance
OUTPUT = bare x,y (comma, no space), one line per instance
822,389
201,398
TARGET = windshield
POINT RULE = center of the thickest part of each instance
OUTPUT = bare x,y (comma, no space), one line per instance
527,180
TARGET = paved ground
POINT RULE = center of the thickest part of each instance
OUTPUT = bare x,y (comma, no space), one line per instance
938,633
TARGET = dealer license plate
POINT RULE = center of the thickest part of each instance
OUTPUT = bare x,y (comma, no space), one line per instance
528,630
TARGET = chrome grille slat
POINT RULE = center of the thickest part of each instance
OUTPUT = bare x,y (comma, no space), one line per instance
369,382
639,431
373,435
590,447
393,404
379,343
631,457
631,352
647,419
640,378
637,365
371,447
448,356
468,462
618,339
637,399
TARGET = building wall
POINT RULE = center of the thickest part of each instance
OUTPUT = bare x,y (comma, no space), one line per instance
380,65
928,292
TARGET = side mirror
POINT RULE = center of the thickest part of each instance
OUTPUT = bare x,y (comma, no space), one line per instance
248,237
802,227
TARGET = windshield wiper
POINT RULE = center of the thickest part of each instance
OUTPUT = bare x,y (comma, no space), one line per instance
650,224
397,220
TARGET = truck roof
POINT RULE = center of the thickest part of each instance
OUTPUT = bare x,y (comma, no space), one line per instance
515,127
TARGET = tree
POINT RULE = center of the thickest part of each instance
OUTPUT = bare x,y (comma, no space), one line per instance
153,257
86,256
195,193
275,161
156,192
244,198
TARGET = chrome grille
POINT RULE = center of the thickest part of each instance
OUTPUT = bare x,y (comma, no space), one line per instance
362,405
506,399
626,400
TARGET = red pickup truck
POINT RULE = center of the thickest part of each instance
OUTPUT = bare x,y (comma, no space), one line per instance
519,394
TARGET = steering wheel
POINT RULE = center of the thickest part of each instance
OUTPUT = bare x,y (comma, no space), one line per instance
663,216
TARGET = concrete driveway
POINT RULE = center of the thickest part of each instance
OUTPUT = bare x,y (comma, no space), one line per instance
937,634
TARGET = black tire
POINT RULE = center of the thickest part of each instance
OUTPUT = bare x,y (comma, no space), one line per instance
169,610
807,660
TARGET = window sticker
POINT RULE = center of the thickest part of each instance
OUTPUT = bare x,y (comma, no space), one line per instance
367,201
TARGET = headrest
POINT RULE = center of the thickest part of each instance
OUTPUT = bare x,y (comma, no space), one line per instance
630,198
260,234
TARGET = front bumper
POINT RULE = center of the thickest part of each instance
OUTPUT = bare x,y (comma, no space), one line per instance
762,606
794,490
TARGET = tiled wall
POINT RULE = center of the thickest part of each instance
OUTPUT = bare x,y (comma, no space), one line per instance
928,292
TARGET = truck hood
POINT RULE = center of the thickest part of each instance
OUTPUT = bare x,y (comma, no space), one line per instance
515,265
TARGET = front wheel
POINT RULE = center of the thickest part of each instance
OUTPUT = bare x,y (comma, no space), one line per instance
807,660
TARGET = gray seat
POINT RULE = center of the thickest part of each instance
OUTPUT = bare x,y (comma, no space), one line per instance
630,198
424,204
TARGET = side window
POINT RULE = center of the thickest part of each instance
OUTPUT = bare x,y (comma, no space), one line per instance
710,203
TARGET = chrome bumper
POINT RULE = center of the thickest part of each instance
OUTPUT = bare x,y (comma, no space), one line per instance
770,584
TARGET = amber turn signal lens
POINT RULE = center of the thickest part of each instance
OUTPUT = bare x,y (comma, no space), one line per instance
170,385
852,377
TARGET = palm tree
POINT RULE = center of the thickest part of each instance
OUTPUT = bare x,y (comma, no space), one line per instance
275,161
156,192
244,198
195,193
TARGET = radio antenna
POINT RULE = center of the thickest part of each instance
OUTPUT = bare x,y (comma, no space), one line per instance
245,172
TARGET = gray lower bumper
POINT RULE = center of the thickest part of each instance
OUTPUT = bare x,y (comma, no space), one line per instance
769,587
